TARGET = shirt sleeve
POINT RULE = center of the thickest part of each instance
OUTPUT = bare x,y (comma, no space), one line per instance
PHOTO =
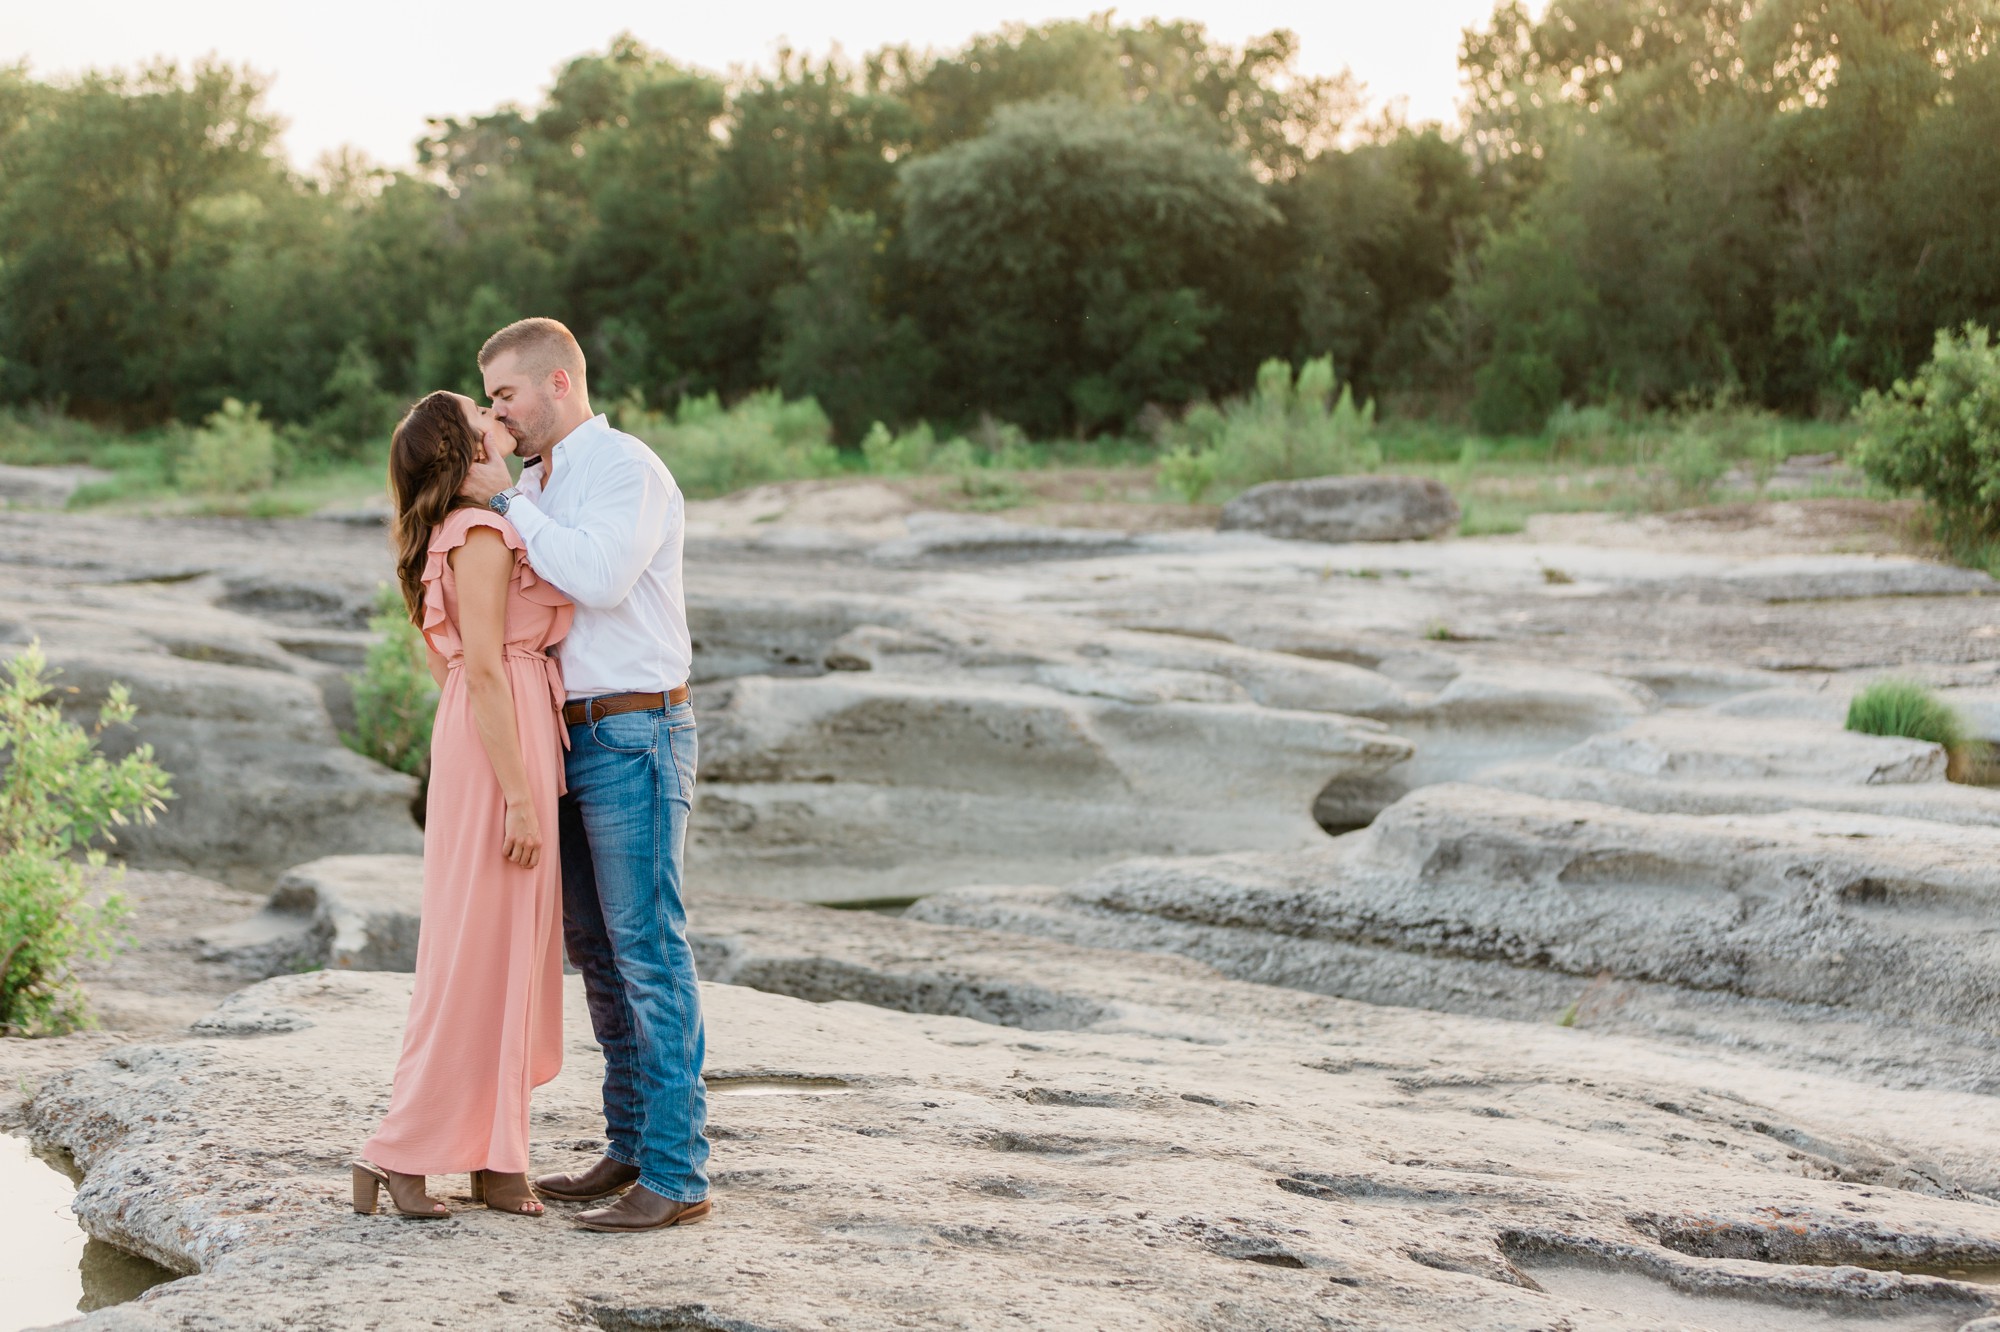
596,563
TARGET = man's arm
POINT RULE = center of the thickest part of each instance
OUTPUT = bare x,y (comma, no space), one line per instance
597,562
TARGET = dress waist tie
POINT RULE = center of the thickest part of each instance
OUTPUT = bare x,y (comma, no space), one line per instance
551,676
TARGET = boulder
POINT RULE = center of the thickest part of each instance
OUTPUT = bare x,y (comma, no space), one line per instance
1345,508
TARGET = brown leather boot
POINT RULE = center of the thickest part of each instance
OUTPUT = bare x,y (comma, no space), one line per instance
642,1209
604,1176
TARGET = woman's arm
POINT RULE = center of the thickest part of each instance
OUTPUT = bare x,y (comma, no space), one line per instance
484,567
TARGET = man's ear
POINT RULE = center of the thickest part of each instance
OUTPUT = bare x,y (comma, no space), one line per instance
559,383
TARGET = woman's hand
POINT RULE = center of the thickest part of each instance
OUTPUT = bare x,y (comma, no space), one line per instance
524,835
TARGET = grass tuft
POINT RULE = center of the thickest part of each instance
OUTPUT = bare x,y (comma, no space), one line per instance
1906,708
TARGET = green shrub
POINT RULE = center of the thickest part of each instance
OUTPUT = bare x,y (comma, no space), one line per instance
33,436
1574,431
713,451
395,699
899,453
234,453
1939,433
57,796
1693,462
1187,473
1286,429
1906,708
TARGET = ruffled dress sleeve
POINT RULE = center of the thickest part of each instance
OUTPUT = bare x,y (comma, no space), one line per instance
441,586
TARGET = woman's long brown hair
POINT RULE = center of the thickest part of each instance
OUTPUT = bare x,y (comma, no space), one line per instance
429,455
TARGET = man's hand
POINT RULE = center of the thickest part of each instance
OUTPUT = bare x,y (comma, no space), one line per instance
488,477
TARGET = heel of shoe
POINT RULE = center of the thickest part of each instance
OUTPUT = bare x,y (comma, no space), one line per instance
479,1186
367,1191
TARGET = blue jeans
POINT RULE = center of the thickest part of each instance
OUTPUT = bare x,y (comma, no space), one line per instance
624,827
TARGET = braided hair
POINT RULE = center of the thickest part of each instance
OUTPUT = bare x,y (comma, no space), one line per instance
429,456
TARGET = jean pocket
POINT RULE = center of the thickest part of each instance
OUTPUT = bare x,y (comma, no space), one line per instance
627,733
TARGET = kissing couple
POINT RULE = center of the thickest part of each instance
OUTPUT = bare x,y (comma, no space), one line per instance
559,796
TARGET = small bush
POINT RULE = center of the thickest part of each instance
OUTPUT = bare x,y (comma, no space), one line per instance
1693,462
713,451
1939,433
57,796
1574,431
1187,473
1906,708
235,452
395,699
1286,429
900,453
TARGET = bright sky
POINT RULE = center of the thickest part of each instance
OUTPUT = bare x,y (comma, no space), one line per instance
368,72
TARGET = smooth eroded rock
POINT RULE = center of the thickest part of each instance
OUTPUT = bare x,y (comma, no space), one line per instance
1467,897
1182,1153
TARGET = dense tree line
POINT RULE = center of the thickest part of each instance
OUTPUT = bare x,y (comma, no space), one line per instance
1057,226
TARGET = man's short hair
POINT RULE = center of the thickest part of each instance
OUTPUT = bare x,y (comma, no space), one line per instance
543,345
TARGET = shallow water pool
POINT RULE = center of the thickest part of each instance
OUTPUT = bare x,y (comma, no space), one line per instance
49,1268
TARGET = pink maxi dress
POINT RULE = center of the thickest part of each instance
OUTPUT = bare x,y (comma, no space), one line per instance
485,1024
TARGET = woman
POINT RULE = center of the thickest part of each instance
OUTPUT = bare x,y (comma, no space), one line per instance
485,1023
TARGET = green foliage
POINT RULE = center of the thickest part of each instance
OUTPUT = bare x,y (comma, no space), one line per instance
234,453
1187,473
1286,429
713,451
900,452
838,342
1066,224
40,435
447,350
1906,708
1574,431
1078,260
58,795
358,415
395,699
1694,463
1939,432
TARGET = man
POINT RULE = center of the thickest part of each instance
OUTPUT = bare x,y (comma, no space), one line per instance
603,521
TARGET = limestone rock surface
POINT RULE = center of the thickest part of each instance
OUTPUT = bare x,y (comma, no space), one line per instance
877,781
1490,901
1172,1151
1762,754
354,913
241,722
43,487
1345,508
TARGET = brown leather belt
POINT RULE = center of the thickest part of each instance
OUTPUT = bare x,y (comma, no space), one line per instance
584,711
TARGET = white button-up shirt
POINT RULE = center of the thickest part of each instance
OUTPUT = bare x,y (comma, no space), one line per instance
607,531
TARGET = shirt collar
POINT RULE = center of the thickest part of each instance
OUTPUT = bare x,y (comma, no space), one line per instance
594,425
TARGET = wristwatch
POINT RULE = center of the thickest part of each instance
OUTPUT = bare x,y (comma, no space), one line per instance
500,501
